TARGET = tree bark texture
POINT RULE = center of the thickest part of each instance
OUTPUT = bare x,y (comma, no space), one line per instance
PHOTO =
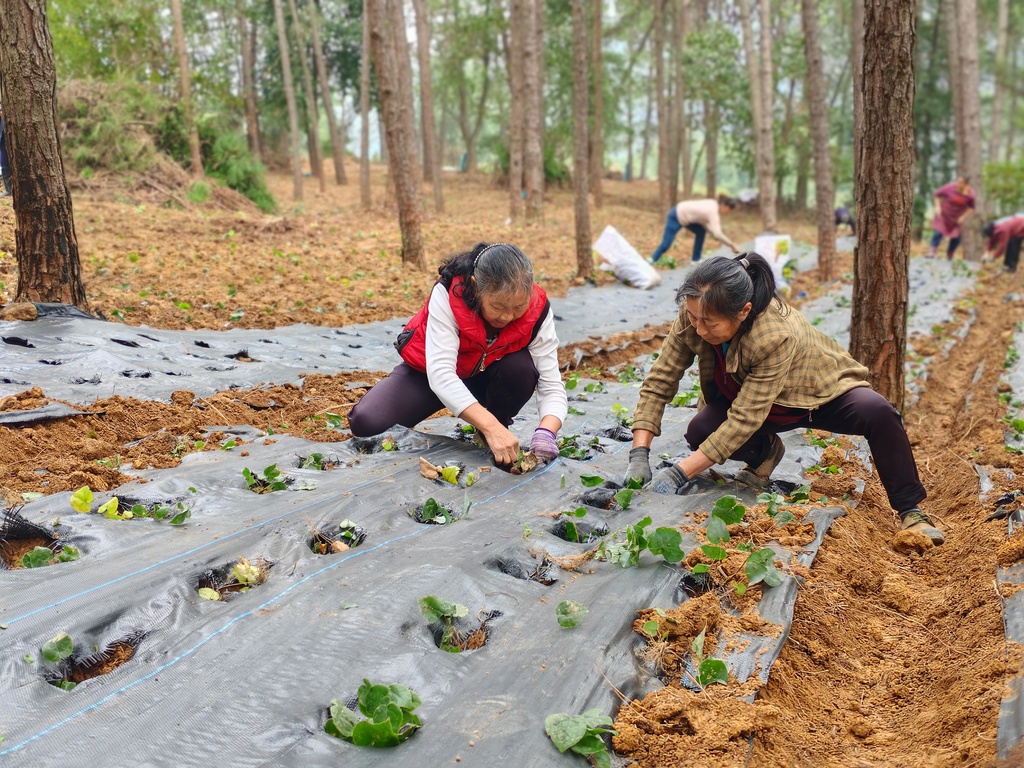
666,193
431,161
337,138
1002,39
252,122
824,195
185,82
312,120
761,113
403,68
533,134
949,14
44,236
857,51
596,132
517,108
682,126
581,159
766,130
289,94
388,43
365,197
970,104
885,196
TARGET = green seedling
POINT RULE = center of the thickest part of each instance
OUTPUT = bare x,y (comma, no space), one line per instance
572,532
773,500
313,461
590,481
760,566
1016,426
570,613
582,734
727,511
573,381
709,670
162,512
433,512
81,500
629,374
114,463
625,547
576,411
335,421
42,556
801,495
437,610
623,414
625,497
569,447
270,481
247,575
55,650
388,710
208,593
595,386
683,399
388,444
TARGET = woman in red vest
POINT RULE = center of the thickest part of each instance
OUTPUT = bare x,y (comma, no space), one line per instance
482,344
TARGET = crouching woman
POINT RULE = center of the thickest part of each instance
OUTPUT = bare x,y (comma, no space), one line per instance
481,346
763,370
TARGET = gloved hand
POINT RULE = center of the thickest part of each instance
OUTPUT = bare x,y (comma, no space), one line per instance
543,444
639,465
671,480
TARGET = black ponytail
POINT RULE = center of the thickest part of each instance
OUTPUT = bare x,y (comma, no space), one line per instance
725,285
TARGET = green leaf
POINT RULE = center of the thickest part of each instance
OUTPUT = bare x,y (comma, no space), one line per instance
701,568
346,605
697,646
714,552
565,730
729,510
760,567
342,721
37,558
712,671
451,474
58,648
596,718
572,532
634,484
589,481
109,509
570,613
435,609
741,588
180,518
209,594
717,533
590,744
667,543
81,500
624,497
783,518
29,658
67,554
651,628
801,494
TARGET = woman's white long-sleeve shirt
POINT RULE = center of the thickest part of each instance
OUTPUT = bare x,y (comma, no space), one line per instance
442,346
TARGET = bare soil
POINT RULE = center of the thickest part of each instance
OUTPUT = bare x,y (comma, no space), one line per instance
897,655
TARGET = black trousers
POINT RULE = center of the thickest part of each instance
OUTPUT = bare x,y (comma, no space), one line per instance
861,411
405,397
1012,255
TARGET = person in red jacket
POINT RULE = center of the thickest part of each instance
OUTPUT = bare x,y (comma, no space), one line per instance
1005,237
482,344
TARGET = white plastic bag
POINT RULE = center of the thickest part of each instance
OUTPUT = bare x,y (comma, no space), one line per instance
622,259
776,250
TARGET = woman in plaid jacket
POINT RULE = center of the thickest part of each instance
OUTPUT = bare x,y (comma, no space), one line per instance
764,370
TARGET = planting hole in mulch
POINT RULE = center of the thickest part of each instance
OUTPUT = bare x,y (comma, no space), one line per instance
240,576
694,584
22,544
617,432
461,635
542,574
319,461
433,513
330,539
79,667
579,531
579,447
174,511
602,497
378,444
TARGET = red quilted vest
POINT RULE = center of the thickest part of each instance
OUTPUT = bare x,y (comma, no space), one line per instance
474,352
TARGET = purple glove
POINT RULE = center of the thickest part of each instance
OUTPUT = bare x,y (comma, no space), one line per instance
543,444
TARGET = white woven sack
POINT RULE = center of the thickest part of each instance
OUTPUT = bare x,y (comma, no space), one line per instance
622,259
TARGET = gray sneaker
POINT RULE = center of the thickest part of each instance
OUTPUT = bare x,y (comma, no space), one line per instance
759,476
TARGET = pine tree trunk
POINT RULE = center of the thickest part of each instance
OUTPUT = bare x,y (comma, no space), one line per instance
517,109
389,46
44,234
926,89
337,138
312,120
581,159
885,196
970,103
761,115
185,82
289,94
824,193
949,13
1011,134
857,54
1002,39
596,69
765,132
682,125
711,132
533,136
666,192
645,145
365,196
431,162
403,68
252,122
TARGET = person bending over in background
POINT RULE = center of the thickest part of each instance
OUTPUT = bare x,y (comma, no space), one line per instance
953,204
764,370
1004,237
481,345
700,217
845,216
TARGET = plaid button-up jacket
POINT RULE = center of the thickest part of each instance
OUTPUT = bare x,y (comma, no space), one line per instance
782,360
